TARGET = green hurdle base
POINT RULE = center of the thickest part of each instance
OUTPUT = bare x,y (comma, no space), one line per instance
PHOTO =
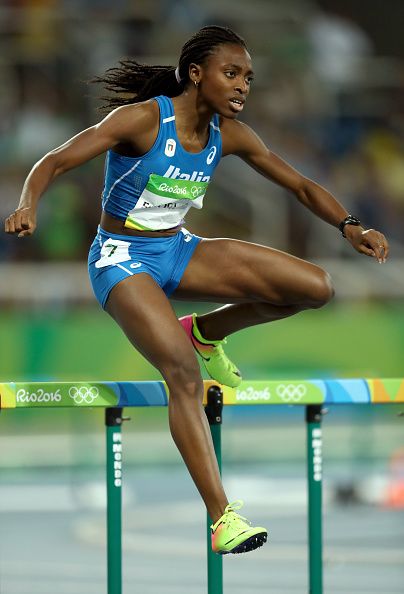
214,410
113,423
314,498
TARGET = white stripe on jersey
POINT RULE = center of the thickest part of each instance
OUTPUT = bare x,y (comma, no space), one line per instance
118,180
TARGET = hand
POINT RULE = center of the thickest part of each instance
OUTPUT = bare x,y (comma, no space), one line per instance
370,242
22,221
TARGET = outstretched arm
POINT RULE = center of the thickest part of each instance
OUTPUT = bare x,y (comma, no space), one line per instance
239,139
121,126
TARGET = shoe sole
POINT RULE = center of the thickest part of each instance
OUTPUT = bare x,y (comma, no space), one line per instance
252,543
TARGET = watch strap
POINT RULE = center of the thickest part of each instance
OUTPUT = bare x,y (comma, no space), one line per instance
349,220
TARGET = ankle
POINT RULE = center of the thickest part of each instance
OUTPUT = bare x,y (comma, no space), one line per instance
202,323
216,514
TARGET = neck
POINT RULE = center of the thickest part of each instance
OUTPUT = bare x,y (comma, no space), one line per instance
192,115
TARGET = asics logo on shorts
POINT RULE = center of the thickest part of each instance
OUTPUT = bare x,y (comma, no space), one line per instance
187,235
135,265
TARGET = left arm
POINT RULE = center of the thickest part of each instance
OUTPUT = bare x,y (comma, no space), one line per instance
239,139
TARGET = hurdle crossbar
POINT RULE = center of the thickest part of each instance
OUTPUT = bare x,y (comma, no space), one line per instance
114,396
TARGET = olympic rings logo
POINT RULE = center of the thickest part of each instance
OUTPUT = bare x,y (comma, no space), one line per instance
291,392
195,191
84,394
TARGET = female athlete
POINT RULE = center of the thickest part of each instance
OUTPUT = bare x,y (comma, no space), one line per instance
164,137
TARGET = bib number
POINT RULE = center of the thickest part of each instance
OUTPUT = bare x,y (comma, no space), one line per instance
113,251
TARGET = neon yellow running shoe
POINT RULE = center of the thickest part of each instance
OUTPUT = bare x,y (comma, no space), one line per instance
216,362
233,534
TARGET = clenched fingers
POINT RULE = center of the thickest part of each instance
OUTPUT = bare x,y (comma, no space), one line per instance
375,244
22,222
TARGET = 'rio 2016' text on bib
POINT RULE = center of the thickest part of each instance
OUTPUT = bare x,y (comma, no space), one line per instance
164,203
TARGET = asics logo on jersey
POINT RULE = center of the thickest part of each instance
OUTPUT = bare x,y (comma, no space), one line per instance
176,173
211,156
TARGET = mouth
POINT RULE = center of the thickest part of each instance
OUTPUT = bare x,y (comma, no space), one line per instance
237,104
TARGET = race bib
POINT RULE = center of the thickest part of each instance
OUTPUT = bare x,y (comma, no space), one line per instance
113,251
164,203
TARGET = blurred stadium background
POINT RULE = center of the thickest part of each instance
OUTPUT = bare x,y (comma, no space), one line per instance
327,98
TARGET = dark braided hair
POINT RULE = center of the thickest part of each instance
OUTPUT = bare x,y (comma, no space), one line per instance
133,82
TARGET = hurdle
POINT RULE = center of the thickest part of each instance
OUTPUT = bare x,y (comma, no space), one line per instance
115,396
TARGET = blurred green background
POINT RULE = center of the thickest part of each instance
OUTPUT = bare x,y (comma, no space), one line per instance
349,339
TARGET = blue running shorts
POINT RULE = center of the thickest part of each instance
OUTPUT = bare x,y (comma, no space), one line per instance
115,257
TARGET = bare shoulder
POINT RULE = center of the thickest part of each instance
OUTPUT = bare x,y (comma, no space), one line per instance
136,126
237,137
137,115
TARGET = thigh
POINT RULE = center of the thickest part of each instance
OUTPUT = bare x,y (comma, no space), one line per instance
146,316
234,271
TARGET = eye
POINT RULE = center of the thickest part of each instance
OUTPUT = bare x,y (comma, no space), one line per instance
230,73
249,80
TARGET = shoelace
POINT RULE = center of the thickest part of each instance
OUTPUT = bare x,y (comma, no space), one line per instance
230,513
238,504
219,352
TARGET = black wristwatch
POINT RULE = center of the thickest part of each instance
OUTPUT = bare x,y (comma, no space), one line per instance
349,220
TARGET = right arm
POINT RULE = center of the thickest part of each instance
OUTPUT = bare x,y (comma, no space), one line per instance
122,126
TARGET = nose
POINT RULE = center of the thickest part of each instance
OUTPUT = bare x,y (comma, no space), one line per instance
242,86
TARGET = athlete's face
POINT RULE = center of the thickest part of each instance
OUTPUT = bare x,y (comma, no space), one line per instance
225,79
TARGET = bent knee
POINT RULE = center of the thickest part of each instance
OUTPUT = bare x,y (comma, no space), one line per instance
183,375
322,289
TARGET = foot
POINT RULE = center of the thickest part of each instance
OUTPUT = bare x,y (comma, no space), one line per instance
216,362
234,534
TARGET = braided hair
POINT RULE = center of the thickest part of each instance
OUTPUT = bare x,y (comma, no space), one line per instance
132,82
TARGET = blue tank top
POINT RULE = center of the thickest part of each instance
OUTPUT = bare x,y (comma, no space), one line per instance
155,191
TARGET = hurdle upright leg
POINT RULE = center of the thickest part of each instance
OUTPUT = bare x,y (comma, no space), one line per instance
214,410
113,422
314,481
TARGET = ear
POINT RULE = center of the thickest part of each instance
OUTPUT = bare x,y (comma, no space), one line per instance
195,73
